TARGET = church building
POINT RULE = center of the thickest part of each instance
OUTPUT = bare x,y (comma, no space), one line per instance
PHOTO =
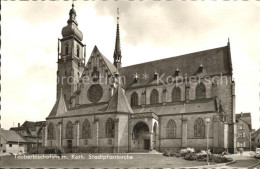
169,104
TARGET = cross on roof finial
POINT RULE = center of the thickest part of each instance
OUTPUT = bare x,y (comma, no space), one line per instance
117,15
72,3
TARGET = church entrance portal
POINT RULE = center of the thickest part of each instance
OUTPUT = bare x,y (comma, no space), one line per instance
141,137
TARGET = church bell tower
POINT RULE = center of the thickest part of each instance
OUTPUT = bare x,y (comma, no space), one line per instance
71,58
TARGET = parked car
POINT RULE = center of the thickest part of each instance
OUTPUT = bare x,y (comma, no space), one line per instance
257,150
257,153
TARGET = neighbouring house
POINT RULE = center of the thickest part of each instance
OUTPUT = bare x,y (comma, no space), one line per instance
32,133
256,139
244,129
12,142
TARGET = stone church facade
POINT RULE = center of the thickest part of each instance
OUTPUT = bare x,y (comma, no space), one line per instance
166,104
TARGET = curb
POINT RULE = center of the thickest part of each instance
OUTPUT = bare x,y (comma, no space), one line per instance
216,165
252,166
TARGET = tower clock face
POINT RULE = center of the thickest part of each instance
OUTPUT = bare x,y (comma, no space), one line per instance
95,93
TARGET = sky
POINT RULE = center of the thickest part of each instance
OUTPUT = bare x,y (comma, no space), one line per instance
149,30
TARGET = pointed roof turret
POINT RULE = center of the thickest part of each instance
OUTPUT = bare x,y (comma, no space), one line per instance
117,51
72,27
59,107
119,102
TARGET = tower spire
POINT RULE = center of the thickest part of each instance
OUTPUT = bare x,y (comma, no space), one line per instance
117,51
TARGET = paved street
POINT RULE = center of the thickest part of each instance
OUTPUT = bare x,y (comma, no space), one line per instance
243,161
138,161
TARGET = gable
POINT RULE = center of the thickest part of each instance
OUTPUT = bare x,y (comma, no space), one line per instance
98,62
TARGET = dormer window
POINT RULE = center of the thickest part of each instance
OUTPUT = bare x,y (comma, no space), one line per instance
177,72
200,69
136,79
155,77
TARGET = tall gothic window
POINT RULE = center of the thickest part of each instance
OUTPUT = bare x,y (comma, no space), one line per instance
171,129
50,131
86,130
200,91
66,49
199,128
176,94
134,99
95,74
110,128
69,130
154,97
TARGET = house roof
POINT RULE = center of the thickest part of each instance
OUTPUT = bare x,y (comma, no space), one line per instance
40,123
30,125
246,118
243,115
11,136
119,102
256,133
214,61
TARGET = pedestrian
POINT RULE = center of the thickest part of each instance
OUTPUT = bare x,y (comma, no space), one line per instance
241,151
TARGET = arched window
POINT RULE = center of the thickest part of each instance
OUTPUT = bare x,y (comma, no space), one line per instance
199,128
171,129
78,51
200,91
154,97
176,94
66,49
110,128
134,99
86,130
69,130
50,131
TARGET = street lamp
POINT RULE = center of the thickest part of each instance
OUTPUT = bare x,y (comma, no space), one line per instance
207,121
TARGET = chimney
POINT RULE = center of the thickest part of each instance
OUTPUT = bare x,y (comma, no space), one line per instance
18,124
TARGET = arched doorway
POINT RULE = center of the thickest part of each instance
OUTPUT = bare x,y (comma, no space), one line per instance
141,137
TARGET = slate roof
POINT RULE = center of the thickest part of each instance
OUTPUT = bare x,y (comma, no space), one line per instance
208,105
214,61
11,136
119,102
